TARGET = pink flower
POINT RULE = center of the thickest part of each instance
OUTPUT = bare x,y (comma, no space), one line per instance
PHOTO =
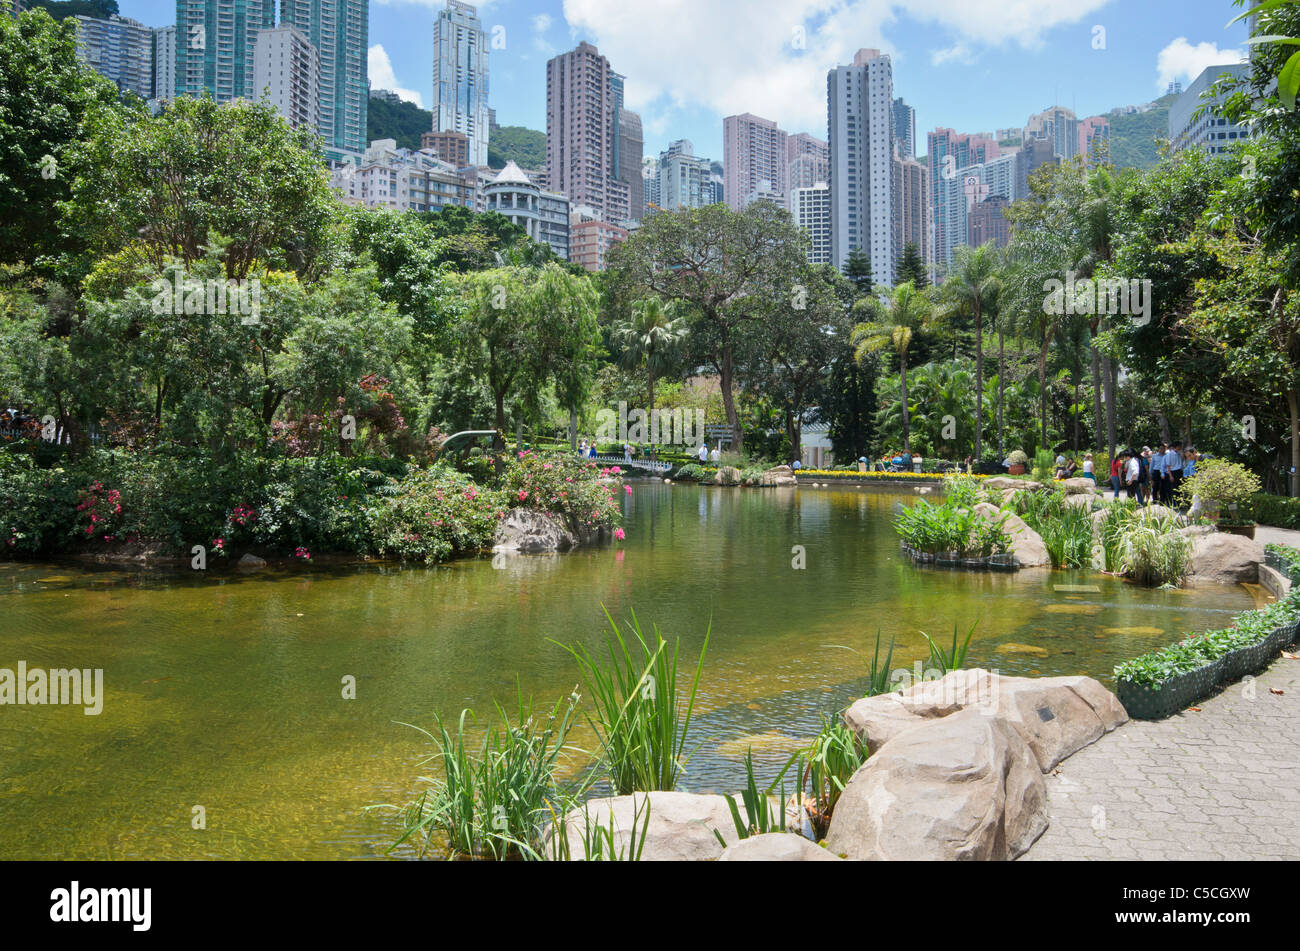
628,489
522,495
620,534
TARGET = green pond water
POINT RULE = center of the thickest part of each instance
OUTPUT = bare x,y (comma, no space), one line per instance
225,691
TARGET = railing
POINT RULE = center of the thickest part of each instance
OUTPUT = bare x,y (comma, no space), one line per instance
651,465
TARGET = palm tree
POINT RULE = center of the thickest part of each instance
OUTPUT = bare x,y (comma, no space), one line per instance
970,288
892,320
650,337
1096,224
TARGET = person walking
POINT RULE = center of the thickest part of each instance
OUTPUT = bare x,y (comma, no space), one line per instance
1156,462
1132,472
1174,471
1116,479
704,452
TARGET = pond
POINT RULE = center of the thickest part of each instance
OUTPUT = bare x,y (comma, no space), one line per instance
226,691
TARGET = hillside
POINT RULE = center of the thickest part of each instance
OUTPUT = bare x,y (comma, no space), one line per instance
403,121
1133,137
525,147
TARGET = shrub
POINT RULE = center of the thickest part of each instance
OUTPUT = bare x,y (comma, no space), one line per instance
949,528
434,514
1018,458
1066,529
1044,466
1221,485
1152,552
1275,510
39,506
690,473
564,484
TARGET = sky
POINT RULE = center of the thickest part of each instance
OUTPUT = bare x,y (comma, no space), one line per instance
970,65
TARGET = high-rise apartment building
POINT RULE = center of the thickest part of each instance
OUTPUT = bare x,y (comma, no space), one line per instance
164,63
215,40
591,237
950,152
627,169
1209,131
286,72
961,194
1035,154
451,147
753,153
339,29
1094,138
911,205
808,161
811,208
120,49
988,222
684,180
460,77
650,185
860,107
905,129
1057,125
385,176
583,106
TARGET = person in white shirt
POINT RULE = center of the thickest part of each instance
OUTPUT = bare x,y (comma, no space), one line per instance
1132,470
704,452
714,455
1087,468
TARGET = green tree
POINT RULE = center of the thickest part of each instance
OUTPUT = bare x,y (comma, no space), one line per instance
892,321
911,267
972,288
159,186
523,328
46,97
857,268
725,267
650,338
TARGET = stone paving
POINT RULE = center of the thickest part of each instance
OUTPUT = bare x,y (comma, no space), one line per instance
1221,783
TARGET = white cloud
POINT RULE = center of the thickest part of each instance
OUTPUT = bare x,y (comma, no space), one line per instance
381,75
542,22
1183,61
772,56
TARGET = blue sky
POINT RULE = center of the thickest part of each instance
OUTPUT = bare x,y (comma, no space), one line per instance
973,65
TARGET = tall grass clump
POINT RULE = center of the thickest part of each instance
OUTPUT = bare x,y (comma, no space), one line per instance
1110,531
490,800
1152,552
761,817
600,840
1066,529
825,767
642,716
954,658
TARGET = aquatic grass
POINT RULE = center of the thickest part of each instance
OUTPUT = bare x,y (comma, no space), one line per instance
1066,529
600,841
490,801
954,658
760,817
642,717
1152,552
825,767
1110,531
879,676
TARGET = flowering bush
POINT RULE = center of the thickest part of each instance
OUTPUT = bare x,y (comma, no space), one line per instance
435,513
566,485
99,513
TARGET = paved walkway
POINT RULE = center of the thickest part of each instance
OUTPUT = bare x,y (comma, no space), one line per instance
1223,783
1266,535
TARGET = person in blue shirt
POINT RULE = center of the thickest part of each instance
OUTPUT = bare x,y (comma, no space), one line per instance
1189,463
1157,464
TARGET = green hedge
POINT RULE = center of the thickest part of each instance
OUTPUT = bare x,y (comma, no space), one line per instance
1276,510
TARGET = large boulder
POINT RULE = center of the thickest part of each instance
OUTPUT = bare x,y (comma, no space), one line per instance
1003,484
727,475
1226,559
680,827
1078,486
528,531
250,562
1026,543
779,476
777,847
1055,716
964,786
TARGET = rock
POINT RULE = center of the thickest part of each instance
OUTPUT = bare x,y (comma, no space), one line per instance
1196,531
1226,558
1013,648
1002,482
680,825
727,475
250,563
965,786
528,531
1026,543
777,847
1079,710
1156,512
779,476
1078,486
1081,500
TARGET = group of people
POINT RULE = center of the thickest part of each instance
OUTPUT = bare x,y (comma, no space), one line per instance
1153,475
900,462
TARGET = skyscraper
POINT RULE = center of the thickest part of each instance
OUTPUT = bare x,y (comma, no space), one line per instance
753,158
120,49
1094,137
628,166
583,102
912,223
811,207
339,29
949,153
972,186
860,101
164,63
460,77
286,72
905,128
215,40
1057,125
1208,129
684,180
808,161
